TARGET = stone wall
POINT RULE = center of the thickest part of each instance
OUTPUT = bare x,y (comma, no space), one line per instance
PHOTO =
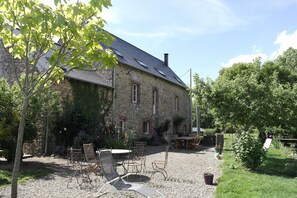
135,114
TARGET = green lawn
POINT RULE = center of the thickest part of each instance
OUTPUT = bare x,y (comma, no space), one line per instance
276,177
5,175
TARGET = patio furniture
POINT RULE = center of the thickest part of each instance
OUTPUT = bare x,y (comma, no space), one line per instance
81,171
91,164
116,182
140,152
136,160
267,143
74,157
160,165
119,156
186,139
195,144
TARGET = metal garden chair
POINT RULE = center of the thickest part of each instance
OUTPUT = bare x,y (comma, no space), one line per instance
117,182
160,165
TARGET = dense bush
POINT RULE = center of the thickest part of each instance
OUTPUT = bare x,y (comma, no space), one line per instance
248,150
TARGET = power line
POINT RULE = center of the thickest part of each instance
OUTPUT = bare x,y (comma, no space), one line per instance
184,73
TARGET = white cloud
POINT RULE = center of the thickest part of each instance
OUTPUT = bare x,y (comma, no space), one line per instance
247,58
284,41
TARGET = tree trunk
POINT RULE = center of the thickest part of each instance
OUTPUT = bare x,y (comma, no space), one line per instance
18,152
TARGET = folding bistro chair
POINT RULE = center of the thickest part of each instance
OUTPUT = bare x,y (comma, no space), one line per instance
93,165
160,165
116,182
195,144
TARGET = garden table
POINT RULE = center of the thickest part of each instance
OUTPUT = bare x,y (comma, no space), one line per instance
186,139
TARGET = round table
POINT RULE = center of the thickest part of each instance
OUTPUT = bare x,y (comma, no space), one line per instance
116,151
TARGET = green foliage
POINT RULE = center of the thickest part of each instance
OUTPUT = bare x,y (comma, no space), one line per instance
79,29
40,106
202,92
113,138
277,170
177,120
82,119
25,175
209,131
248,150
258,95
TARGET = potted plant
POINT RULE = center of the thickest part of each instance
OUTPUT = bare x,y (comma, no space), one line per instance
208,178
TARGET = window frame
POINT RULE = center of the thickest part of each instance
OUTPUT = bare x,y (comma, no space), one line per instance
176,103
155,101
146,126
122,123
135,93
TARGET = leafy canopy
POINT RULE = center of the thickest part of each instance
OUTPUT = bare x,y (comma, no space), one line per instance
258,95
29,29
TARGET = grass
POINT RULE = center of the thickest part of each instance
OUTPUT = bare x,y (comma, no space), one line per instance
31,173
276,177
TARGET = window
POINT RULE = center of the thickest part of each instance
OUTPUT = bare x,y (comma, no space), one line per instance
122,126
160,71
118,53
176,103
135,93
146,127
141,63
155,101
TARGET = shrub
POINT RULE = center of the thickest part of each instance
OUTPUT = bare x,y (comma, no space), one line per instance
248,150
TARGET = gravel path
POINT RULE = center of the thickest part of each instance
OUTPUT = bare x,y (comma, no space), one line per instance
185,169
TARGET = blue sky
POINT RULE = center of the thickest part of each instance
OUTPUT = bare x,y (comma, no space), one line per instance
205,35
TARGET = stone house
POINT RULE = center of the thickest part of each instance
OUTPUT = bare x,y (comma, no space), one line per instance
144,91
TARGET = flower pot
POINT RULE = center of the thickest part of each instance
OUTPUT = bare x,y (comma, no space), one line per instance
208,179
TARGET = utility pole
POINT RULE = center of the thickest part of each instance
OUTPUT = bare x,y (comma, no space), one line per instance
198,119
191,100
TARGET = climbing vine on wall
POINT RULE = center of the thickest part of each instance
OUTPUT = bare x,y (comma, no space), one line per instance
83,117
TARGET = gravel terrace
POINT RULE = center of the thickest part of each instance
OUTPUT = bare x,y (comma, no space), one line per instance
185,176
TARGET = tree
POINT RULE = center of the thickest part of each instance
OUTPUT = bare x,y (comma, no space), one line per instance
10,107
202,93
29,29
257,95
8,120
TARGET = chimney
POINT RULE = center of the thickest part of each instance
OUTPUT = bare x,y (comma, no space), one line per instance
166,59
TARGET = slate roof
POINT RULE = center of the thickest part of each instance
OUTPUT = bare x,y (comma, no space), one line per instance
131,55
127,54
89,76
